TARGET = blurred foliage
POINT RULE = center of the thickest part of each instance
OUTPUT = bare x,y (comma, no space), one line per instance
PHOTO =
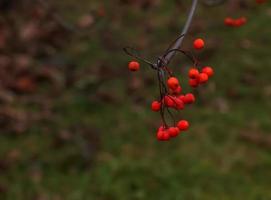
75,124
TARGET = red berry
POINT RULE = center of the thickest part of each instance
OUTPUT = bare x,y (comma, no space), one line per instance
193,83
199,43
203,78
178,90
182,98
183,125
161,128
160,135
193,73
228,21
173,131
155,106
189,98
173,83
166,135
179,104
133,66
208,70
169,101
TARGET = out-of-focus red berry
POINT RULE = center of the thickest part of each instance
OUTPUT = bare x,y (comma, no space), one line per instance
189,98
173,83
155,106
166,135
208,70
193,82
228,21
169,101
178,90
199,43
203,78
183,125
133,66
173,131
179,104
193,73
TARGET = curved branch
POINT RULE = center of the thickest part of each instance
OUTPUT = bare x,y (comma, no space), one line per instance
179,41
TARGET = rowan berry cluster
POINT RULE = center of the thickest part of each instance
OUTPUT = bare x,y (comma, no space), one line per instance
235,22
231,22
172,97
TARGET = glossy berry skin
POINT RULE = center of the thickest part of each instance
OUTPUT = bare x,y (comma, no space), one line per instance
173,131
183,125
156,106
208,70
133,66
173,83
199,44
193,73
194,83
203,78
189,98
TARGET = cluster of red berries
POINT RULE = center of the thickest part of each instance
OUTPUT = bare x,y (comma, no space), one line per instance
229,21
173,98
235,22
197,77
164,134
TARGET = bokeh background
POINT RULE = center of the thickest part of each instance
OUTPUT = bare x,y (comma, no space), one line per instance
75,124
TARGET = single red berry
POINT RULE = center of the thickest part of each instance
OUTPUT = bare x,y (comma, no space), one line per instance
203,78
228,21
193,73
199,43
166,135
160,135
173,83
169,101
189,98
133,66
155,106
193,83
173,131
183,125
208,70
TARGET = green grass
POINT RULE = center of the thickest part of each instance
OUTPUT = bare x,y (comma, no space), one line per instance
208,162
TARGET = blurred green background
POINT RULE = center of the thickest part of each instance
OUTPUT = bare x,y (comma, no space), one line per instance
75,124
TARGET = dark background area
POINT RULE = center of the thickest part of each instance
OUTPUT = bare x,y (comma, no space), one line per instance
76,124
